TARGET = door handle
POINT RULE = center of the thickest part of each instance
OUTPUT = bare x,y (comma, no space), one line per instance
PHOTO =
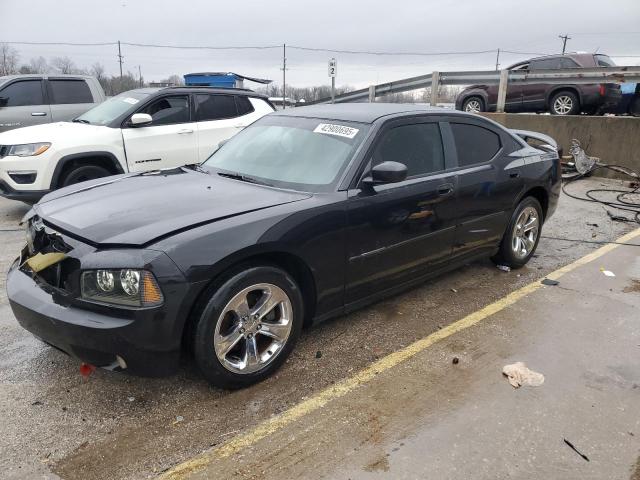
38,114
514,174
185,131
445,189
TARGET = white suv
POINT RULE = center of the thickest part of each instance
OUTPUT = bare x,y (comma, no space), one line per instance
144,129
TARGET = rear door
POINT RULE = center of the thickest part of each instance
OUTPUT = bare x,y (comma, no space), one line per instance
535,94
489,181
23,103
219,117
68,97
401,230
169,141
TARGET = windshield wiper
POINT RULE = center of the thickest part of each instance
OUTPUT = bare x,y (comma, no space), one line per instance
198,168
80,120
244,178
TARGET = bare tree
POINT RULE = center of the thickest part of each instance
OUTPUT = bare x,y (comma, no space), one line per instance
38,65
9,58
174,80
64,64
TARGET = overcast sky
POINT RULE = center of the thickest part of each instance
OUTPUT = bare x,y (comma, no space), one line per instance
390,26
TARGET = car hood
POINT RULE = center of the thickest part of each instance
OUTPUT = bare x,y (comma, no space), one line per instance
48,132
136,209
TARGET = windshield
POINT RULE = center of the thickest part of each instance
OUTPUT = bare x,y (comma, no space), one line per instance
112,108
306,154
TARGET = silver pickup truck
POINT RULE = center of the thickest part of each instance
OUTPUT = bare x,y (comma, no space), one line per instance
34,99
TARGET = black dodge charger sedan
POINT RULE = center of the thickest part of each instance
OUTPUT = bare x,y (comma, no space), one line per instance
306,214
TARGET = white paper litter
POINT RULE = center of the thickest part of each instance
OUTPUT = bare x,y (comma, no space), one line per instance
518,374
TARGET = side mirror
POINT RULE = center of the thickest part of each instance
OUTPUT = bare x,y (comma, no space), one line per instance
140,119
386,172
3,101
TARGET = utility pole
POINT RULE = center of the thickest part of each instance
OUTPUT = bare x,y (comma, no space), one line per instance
284,76
140,75
564,38
120,58
498,61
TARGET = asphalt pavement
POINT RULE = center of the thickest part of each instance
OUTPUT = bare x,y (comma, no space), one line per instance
56,424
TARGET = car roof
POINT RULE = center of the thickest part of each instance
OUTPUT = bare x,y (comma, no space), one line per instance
42,75
204,89
574,56
360,112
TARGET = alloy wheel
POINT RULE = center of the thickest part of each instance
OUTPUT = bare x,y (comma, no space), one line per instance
563,105
525,232
253,328
473,106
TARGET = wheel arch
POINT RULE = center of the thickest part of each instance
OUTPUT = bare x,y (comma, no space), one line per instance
103,159
476,92
540,194
291,263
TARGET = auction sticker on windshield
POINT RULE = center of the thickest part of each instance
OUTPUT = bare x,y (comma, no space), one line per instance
130,100
339,130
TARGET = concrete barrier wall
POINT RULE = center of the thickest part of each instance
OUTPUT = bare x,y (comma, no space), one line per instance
615,140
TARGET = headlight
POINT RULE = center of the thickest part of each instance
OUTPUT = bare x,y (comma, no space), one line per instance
28,149
127,287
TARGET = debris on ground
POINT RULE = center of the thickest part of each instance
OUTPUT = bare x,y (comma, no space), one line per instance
518,374
318,354
37,402
455,360
607,273
575,449
592,225
548,281
131,399
178,419
86,370
454,290
504,268
618,218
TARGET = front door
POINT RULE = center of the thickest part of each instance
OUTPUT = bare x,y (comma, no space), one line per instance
169,141
22,104
218,120
401,230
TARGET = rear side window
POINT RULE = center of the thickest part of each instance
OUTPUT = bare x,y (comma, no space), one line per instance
168,110
568,63
244,105
69,91
545,64
417,146
23,93
215,107
474,144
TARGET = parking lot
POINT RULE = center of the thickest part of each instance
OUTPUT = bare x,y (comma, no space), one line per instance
119,426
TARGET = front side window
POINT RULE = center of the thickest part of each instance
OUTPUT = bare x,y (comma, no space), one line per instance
418,146
69,91
168,110
568,63
23,93
215,107
474,144
305,154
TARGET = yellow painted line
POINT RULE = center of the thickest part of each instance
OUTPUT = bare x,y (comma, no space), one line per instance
347,385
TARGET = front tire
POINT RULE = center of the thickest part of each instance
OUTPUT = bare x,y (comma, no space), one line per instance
83,174
248,327
564,103
521,238
473,105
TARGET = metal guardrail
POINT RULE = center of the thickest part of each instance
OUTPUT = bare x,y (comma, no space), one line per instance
502,78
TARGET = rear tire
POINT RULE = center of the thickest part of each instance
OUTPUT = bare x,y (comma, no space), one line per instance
564,103
237,344
473,105
521,238
83,173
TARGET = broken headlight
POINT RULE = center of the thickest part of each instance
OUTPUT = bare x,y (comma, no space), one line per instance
126,287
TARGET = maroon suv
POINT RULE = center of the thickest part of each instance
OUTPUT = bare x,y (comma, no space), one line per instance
559,99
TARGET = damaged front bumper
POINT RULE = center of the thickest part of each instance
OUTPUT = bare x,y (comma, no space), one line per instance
145,341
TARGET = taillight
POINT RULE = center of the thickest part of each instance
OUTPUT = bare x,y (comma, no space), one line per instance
602,89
